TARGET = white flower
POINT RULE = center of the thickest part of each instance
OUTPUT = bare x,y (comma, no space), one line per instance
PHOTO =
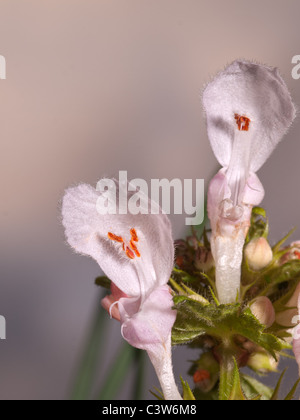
290,317
296,337
248,109
136,252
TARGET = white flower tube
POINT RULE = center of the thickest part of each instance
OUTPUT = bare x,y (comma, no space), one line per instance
248,110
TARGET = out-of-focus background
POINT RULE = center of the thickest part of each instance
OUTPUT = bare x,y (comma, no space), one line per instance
94,87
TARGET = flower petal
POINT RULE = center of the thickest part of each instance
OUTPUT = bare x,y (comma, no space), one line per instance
86,231
152,324
109,302
296,337
229,228
161,358
150,330
287,316
296,345
257,92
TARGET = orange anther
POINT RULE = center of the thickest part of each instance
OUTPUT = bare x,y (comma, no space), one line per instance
114,237
134,248
129,253
134,236
243,122
201,375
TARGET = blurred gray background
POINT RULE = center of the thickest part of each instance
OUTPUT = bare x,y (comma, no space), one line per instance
95,86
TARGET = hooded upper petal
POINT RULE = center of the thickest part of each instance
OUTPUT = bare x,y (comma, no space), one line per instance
87,232
150,329
257,92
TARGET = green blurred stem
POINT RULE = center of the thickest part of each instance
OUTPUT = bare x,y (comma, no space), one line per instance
138,390
92,354
117,373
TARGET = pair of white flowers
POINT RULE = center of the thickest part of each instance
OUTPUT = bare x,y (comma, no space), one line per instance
248,110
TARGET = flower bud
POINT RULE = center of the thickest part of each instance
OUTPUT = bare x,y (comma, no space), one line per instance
263,310
258,253
262,363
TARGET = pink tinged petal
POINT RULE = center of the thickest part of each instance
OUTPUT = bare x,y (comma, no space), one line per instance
257,92
110,302
151,323
254,191
296,345
150,329
161,358
296,337
287,317
229,228
110,305
86,231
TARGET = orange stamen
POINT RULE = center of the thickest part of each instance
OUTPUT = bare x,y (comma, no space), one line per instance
134,248
131,253
134,236
114,237
243,122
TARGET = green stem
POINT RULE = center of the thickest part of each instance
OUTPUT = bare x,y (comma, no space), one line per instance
226,376
92,353
230,382
117,373
138,390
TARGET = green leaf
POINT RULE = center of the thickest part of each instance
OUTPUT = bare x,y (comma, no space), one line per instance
236,391
230,385
292,392
214,297
252,387
278,275
103,281
259,211
182,276
159,395
187,392
275,395
223,322
259,224
277,247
